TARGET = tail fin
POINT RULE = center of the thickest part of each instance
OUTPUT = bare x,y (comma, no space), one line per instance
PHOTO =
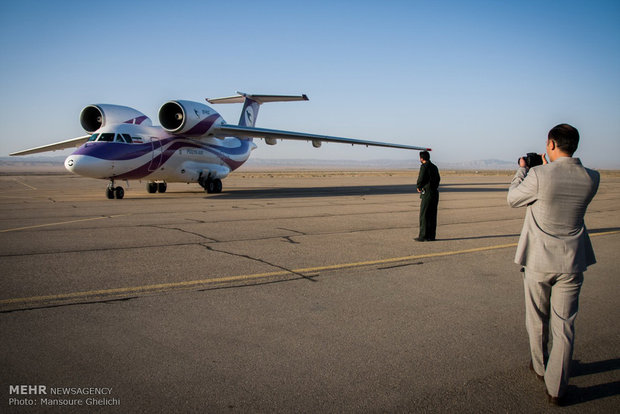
251,104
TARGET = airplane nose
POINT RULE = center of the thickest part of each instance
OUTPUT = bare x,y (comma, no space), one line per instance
88,166
70,163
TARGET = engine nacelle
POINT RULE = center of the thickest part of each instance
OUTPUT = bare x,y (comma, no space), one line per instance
94,117
188,118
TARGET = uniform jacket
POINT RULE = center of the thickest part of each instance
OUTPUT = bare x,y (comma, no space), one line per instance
554,238
428,178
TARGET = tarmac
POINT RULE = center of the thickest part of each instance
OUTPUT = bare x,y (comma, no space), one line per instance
288,292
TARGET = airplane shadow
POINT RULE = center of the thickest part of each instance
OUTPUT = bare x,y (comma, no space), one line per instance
495,236
303,192
577,395
602,230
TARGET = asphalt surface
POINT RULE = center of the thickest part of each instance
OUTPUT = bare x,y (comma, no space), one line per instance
288,292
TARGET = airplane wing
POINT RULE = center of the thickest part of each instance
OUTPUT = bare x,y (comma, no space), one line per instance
261,99
250,132
73,142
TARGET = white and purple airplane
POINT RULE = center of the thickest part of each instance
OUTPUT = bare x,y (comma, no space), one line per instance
193,143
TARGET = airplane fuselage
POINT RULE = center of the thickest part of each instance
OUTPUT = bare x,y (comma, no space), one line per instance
156,155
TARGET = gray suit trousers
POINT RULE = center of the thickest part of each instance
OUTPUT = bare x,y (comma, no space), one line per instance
551,304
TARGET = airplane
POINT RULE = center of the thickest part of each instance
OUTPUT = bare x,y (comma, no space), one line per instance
193,144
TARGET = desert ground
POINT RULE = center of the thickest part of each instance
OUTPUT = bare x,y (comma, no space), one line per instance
291,291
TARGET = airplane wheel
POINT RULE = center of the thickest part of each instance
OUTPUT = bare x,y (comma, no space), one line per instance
119,192
162,187
151,188
210,186
217,185
109,192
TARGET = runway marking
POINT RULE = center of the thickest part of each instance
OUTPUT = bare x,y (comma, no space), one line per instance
109,294
24,184
61,223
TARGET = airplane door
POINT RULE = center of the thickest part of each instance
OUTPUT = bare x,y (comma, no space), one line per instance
157,151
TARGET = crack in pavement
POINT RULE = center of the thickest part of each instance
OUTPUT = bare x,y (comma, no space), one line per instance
184,231
310,278
290,240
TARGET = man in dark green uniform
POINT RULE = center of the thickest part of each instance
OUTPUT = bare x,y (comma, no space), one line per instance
428,184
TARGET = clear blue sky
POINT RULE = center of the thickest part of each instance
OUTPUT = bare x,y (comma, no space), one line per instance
471,79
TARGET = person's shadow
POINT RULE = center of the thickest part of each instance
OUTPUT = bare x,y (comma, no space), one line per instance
576,395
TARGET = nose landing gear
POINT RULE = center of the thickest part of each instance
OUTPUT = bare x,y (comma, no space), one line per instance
114,192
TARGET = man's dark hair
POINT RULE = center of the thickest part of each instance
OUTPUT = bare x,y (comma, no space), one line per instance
566,138
424,155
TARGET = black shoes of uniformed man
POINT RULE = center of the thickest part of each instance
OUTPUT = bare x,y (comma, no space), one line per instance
420,239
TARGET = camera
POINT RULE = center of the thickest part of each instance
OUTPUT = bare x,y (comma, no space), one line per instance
532,159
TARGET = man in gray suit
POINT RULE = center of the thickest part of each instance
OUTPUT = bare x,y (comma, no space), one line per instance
555,250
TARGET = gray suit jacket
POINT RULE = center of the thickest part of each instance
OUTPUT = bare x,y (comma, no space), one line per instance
554,238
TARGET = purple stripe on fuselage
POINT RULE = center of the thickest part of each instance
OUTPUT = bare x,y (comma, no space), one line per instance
116,151
203,126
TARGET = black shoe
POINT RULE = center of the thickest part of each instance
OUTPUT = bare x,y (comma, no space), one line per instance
540,377
419,239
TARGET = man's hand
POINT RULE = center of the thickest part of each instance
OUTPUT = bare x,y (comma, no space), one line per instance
419,191
544,157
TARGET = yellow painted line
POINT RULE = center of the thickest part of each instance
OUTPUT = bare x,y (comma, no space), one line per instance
60,223
163,287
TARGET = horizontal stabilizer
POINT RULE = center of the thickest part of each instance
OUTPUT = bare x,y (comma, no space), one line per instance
257,98
250,132
70,143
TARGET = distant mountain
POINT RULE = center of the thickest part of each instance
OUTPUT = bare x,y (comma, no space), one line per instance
480,165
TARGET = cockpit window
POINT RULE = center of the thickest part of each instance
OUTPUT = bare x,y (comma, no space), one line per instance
106,137
127,138
93,137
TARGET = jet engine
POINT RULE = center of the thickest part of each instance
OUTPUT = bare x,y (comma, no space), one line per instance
94,117
188,118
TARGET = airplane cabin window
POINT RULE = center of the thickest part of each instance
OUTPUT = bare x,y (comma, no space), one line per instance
106,137
93,137
127,138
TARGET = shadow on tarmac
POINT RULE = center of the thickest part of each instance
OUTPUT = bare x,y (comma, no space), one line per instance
603,230
291,192
495,236
576,395
499,236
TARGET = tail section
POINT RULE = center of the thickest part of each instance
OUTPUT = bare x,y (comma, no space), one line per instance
251,104
249,112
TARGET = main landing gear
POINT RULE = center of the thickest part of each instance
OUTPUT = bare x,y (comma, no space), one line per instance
114,192
211,185
153,187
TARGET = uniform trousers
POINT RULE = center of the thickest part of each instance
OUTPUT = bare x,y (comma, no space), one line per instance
428,215
551,305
